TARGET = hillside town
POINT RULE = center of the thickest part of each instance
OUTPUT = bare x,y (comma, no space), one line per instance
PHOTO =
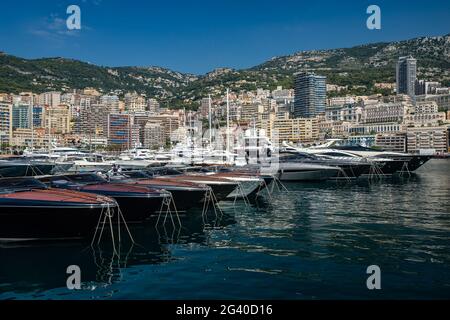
415,118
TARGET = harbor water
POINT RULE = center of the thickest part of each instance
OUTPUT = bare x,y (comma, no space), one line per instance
313,242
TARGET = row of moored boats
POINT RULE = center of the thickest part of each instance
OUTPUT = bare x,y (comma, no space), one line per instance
44,199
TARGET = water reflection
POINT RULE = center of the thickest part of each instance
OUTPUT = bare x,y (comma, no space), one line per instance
37,267
314,241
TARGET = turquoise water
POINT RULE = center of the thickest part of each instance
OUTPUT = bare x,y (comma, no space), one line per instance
313,242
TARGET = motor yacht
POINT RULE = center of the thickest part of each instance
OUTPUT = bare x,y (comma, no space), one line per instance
22,167
351,167
29,210
136,202
249,184
382,164
186,195
86,162
221,187
410,162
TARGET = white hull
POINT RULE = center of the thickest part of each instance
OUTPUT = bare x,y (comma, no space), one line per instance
136,164
80,166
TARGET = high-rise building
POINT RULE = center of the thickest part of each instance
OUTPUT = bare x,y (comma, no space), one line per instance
153,106
169,122
406,75
85,101
204,107
51,99
38,116
154,136
430,87
141,119
250,111
420,87
57,119
310,95
122,131
68,98
111,102
135,102
5,122
21,116
93,120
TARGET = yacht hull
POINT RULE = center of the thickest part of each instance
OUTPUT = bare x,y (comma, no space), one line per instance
10,170
354,171
185,197
221,191
137,203
417,161
185,200
307,175
46,223
391,167
220,187
138,209
135,207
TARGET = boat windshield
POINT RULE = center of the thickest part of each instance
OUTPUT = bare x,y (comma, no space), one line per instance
292,157
163,171
12,158
137,174
197,169
20,184
86,178
354,148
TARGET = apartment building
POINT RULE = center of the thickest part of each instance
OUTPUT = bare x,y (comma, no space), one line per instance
395,142
135,103
430,139
154,136
5,122
122,131
57,119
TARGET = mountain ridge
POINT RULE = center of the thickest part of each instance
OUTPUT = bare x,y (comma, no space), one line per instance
356,68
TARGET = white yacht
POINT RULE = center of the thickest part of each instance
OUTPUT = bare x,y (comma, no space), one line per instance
87,162
137,158
138,153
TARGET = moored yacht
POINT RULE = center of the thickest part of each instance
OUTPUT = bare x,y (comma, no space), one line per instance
22,167
380,164
87,162
298,171
221,187
249,184
29,210
136,202
410,162
185,194
351,167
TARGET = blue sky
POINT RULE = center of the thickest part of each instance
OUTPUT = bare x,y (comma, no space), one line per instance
197,36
